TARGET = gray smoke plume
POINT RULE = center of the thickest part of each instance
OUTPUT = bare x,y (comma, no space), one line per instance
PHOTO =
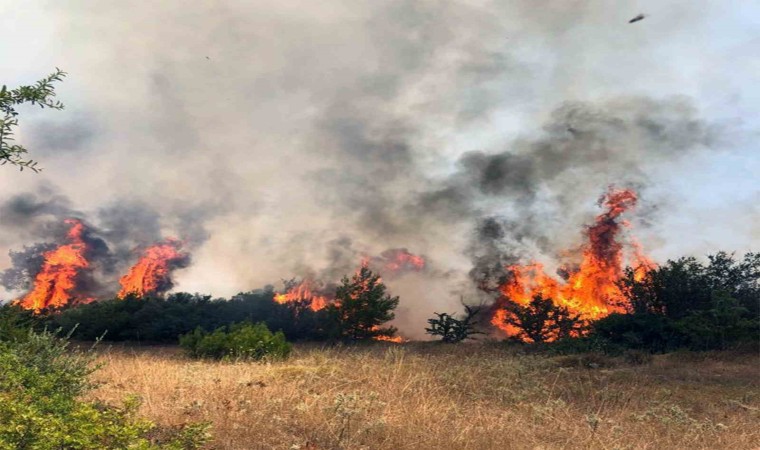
293,138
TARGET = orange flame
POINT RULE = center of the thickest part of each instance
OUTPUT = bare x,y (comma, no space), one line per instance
305,291
590,291
152,273
397,260
394,339
57,278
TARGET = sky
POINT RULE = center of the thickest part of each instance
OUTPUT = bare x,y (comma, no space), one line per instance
282,139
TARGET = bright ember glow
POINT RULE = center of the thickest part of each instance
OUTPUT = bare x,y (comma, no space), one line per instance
591,290
54,284
152,273
398,260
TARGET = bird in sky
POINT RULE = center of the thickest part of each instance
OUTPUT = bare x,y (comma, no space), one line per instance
637,18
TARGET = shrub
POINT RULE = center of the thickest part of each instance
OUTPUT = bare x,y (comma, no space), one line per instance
652,332
40,406
725,324
452,330
239,341
15,323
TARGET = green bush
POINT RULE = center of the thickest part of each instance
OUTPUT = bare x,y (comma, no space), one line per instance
652,332
163,320
725,324
238,341
41,381
15,323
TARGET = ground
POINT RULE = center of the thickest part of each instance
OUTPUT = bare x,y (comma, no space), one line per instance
427,396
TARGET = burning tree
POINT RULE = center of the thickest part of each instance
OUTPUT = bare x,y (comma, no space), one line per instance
541,320
152,272
361,307
303,294
591,290
55,284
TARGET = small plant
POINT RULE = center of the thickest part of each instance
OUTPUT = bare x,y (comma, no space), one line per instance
41,386
452,330
353,413
238,341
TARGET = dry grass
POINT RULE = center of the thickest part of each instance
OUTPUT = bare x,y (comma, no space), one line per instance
423,396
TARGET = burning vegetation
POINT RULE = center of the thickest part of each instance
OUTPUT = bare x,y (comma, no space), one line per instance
55,285
529,304
397,261
152,273
589,291
65,276
305,292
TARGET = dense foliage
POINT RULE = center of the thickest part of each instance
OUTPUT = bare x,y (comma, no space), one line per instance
238,341
683,303
41,384
361,308
687,303
162,320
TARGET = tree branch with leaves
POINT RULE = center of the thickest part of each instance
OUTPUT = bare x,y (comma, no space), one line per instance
42,93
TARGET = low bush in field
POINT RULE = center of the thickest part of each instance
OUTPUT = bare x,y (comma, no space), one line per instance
242,340
41,383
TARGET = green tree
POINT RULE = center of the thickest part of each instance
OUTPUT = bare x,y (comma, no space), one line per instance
541,320
42,94
680,287
361,307
725,324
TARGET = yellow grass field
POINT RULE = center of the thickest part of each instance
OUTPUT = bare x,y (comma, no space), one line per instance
427,396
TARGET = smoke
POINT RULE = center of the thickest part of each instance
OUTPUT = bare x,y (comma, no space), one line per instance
294,139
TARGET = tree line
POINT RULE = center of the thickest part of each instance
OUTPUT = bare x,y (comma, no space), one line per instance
684,303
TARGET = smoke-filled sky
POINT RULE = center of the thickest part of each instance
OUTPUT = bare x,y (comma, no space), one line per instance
282,138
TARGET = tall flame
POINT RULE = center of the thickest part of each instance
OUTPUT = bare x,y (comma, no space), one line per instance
152,273
591,290
54,284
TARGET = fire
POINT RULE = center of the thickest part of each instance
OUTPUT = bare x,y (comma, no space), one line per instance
394,339
152,273
397,260
591,290
305,291
54,284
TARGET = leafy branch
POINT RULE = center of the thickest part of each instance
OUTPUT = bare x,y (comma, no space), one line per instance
42,93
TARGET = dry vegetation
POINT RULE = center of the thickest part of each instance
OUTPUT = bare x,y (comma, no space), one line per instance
425,396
